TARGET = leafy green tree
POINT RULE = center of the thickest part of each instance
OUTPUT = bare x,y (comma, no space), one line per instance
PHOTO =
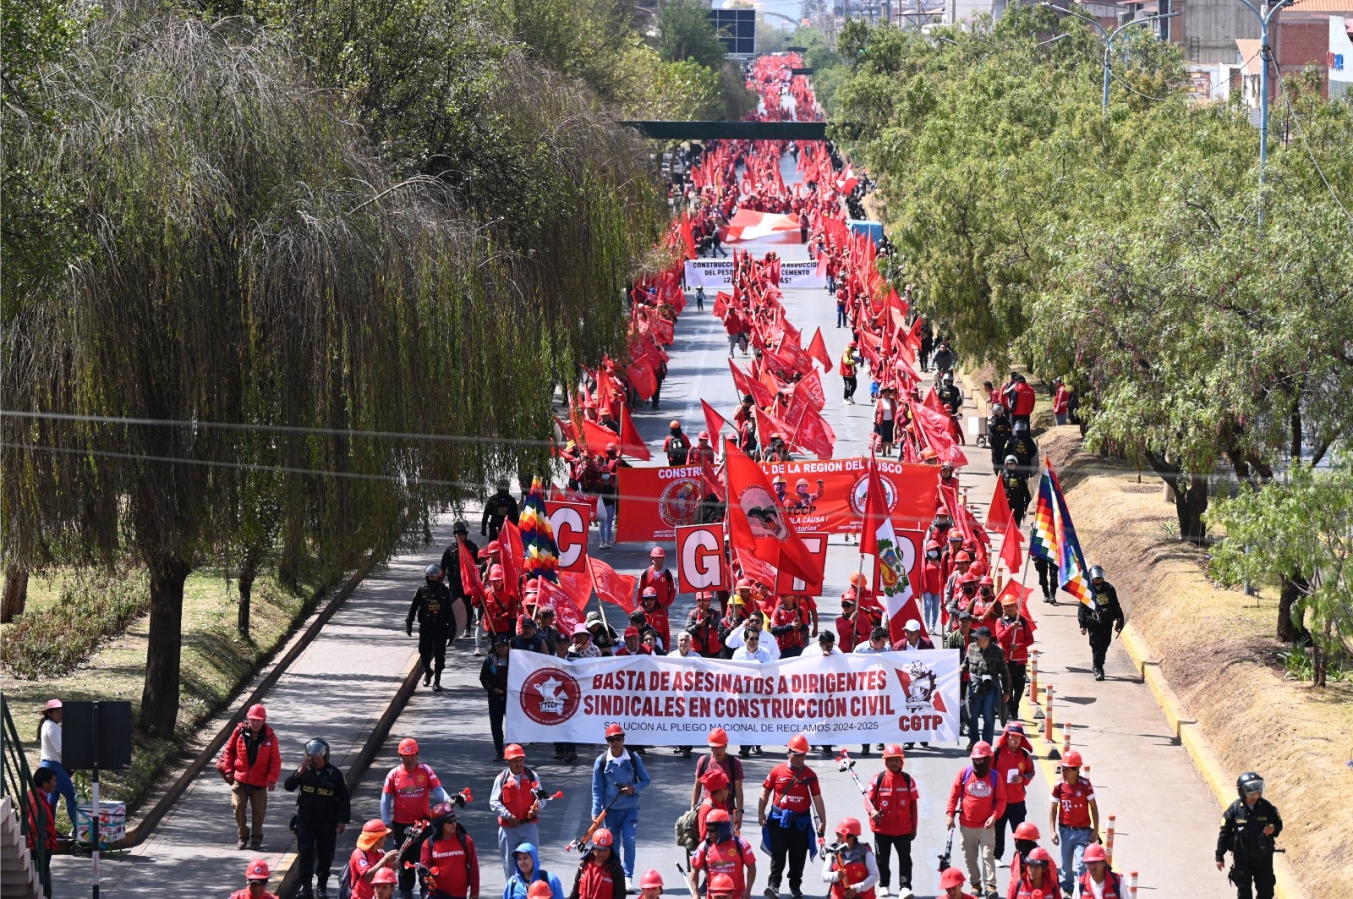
683,31
1302,527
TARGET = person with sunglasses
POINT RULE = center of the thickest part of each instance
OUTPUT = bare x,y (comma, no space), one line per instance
618,777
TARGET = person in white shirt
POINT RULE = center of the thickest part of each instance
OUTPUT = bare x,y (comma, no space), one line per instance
738,635
751,650
49,734
683,647
826,642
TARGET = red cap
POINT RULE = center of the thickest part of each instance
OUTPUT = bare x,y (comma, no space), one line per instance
798,744
257,712
513,751
257,870
539,889
1095,853
962,557
496,573
1026,830
744,583
650,593
980,750
495,547
849,826
602,837
674,424
631,632
657,552
720,884
717,737
717,816
894,751
651,880
375,825
1072,760
951,877
384,875
614,730
714,779
408,746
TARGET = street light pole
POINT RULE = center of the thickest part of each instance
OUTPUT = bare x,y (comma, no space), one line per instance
1265,15
1110,35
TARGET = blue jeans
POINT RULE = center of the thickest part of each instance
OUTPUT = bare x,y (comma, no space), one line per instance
606,519
931,611
1061,417
64,788
622,825
982,711
1074,840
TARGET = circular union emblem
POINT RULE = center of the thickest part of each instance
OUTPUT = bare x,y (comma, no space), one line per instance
679,504
764,513
550,696
860,489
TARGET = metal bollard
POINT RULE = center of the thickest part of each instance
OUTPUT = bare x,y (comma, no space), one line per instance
1047,716
1132,885
1108,838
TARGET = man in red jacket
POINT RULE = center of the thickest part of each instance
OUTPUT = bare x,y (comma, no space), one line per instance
449,856
896,813
789,625
1015,635
976,802
251,764
852,626
1014,762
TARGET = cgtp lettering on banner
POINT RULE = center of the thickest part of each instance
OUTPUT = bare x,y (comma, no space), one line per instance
570,522
700,559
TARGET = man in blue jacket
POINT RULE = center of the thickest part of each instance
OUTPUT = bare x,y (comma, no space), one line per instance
618,777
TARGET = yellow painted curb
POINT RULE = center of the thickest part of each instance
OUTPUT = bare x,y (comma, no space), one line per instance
1195,744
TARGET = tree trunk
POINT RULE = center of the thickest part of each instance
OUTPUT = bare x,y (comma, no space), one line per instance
247,572
1190,502
16,593
1293,588
160,697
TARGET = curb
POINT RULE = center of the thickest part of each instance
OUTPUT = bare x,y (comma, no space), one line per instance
146,824
1190,736
286,868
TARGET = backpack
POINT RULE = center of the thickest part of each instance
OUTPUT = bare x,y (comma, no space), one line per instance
688,830
345,881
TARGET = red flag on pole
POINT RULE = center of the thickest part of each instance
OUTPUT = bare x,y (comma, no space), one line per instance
818,350
714,422
1012,547
566,612
513,555
617,589
631,444
757,519
746,385
998,513
469,573
596,437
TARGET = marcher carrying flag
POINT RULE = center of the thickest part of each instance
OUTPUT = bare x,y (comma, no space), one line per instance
537,537
1054,539
878,539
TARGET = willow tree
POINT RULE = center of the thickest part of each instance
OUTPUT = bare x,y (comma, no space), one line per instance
262,294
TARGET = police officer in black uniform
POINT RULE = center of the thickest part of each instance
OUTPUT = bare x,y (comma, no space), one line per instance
998,432
500,507
1016,484
451,571
432,607
950,395
1021,445
322,812
1103,622
1249,826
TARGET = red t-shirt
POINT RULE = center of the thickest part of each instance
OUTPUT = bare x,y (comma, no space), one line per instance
1016,768
411,790
725,858
1073,802
456,864
791,788
980,798
358,864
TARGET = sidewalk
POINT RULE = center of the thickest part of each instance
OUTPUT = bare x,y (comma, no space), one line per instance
337,689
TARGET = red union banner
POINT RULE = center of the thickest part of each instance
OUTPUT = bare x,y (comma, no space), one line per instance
816,495
570,521
700,561
673,701
787,583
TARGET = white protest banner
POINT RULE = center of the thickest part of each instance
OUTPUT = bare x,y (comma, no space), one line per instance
674,701
717,274
569,522
700,561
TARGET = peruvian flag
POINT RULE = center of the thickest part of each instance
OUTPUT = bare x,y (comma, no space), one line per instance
878,539
757,520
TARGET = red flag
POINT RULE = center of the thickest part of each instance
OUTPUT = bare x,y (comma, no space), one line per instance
596,437
642,377
768,425
713,484
998,514
469,573
1012,548
631,444
688,237
818,350
714,422
745,385
1022,593
578,585
814,434
617,589
756,518
810,387
566,613
512,556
